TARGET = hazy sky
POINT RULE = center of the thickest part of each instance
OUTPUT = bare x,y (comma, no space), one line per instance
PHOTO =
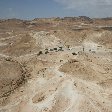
29,9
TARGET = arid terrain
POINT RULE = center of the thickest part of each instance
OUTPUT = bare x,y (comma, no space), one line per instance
56,65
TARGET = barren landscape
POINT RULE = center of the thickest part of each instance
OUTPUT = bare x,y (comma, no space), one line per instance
56,65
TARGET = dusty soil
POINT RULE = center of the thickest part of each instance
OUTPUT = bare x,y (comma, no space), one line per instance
56,65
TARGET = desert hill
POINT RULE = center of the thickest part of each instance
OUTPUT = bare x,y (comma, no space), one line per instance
56,65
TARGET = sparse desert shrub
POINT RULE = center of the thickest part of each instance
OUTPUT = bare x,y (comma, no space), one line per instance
46,52
40,52
46,49
51,49
74,53
55,48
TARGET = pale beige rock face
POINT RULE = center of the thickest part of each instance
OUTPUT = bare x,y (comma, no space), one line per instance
63,66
